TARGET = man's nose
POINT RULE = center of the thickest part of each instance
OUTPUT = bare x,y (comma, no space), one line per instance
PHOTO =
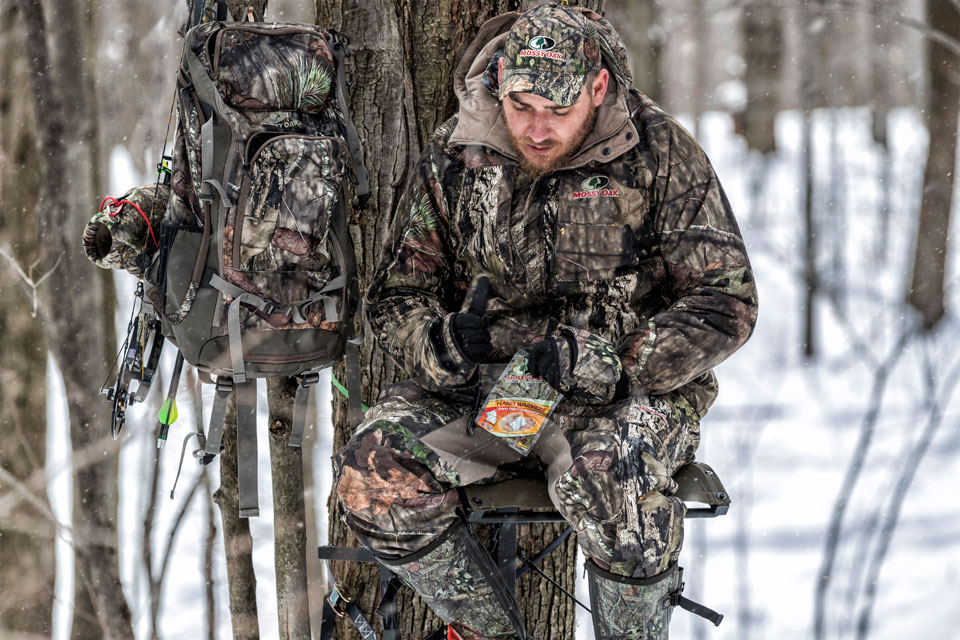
539,130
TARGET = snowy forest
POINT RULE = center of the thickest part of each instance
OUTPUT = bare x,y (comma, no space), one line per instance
832,125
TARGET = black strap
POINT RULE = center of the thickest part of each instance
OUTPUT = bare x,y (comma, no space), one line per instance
340,52
329,620
389,586
168,232
347,554
335,605
354,403
696,608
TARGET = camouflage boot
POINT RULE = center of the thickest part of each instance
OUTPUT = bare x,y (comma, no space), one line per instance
632,608
457,578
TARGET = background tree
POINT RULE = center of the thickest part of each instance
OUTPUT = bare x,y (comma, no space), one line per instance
643,39
27,551
78,328
763,44
926,291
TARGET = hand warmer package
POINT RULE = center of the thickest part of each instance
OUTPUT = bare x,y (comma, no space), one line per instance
518,405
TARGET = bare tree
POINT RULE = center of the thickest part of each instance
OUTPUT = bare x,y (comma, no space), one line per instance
642,34
926,292
75,335
763,40
289,524
237,542
27,563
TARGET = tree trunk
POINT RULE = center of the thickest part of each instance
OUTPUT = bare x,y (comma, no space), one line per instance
404,58
237,543
926,291
27,563
289,526
71,323
808,91
764,43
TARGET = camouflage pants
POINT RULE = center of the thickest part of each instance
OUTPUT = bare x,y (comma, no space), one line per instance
609,472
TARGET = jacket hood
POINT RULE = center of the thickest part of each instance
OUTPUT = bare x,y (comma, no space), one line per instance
480,117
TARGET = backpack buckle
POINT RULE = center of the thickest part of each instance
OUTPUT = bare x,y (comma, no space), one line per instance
338,601
309,379
270,307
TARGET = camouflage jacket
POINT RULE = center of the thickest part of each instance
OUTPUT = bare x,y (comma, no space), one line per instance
634,240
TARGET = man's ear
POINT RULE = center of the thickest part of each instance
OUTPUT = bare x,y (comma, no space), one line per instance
600,84
500,70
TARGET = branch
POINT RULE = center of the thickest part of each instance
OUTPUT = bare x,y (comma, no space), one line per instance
27,279
899,493
35,501
832,539
176,527
88,456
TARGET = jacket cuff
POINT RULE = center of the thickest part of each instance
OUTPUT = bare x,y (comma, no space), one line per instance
439,365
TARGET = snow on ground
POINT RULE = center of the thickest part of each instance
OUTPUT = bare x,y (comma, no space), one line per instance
781,434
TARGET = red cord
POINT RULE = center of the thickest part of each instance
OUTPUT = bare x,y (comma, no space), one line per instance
114,201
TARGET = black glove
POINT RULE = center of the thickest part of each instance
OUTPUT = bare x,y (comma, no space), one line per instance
461,339
582,366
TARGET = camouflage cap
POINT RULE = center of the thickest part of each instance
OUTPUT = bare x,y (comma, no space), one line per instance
550,51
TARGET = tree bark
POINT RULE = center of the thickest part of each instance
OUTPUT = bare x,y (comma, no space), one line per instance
70,322
237,543
926,293
289,525
27,562
404,58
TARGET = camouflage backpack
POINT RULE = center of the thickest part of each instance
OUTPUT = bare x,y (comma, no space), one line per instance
255,275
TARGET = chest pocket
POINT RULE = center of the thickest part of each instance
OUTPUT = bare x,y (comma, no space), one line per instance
603,230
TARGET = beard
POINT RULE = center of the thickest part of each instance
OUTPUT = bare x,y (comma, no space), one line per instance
568,148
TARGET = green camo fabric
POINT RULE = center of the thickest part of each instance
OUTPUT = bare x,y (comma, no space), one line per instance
635,610
458,587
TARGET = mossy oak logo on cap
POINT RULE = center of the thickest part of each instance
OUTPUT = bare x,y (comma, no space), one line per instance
596,187
540,47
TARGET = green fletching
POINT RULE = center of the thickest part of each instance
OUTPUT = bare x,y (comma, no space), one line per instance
168,412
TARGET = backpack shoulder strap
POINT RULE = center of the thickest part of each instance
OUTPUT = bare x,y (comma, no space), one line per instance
341,51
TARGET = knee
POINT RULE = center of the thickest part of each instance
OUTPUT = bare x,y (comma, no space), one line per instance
622,510
600,485
372,473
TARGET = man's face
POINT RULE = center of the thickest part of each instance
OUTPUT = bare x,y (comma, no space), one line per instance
545,134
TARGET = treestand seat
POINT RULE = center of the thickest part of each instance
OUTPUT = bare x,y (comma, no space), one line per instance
506,504
525,499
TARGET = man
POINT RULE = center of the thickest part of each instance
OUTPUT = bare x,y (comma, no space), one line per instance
611,254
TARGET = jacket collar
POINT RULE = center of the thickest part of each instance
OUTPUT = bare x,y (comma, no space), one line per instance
480,117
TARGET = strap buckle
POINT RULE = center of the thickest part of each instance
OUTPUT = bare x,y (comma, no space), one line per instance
271,306
309,379
672,599
338,601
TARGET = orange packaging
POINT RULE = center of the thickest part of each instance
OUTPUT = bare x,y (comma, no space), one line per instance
518,406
